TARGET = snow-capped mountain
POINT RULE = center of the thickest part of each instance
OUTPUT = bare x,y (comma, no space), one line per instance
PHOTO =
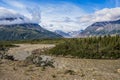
64,34
74,34
71,34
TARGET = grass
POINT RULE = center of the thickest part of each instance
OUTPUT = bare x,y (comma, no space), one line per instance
4,44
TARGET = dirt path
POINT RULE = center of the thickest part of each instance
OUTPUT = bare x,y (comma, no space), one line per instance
24,50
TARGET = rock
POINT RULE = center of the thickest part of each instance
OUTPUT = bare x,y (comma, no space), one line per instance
4,55
3,49
41,60
118,70
1,55
71,72
9,57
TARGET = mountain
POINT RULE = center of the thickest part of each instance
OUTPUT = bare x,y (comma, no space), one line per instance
74,34
71,34
102,28
25,31
64,34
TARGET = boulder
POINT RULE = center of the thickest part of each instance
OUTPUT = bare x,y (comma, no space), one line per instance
41,60
4,55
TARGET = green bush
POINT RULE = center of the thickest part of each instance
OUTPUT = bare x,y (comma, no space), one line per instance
107,47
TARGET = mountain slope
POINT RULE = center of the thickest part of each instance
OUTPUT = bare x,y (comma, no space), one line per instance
71,34
74,34
25,31
64,34
102,28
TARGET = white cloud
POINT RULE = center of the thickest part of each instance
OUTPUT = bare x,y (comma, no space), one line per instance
14,3
60,16
64,9
6,12
8,16
107,14
69,23
30,11
35,13
101,15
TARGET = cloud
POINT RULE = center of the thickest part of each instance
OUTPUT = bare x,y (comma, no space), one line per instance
15,18
83,20
23,7
35,13
60,16
107,14
101,15
61,10
64,20
6,12
14,3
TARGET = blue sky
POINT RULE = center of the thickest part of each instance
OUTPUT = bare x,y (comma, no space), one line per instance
66,15
85,4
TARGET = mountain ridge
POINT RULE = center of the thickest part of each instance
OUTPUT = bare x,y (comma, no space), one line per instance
71,34
102,28
25,31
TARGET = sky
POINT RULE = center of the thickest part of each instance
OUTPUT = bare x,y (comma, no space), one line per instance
65,15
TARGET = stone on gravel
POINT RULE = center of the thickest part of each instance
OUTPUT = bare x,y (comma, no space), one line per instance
4,55
41,60
118,70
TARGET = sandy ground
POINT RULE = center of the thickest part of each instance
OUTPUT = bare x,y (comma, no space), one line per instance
65,68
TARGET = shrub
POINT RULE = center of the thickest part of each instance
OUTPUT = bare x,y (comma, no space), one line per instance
107,47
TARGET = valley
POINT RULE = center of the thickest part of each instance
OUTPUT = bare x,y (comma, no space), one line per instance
59,39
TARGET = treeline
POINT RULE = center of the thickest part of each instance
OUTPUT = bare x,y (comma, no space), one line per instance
107,47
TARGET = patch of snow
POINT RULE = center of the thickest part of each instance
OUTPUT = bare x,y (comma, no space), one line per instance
100,28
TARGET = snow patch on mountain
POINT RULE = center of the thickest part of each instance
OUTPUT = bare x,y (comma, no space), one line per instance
72,34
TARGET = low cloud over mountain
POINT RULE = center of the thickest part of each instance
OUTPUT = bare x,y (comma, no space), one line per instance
8,16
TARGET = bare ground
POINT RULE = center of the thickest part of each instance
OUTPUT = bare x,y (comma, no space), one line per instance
65,68
25,50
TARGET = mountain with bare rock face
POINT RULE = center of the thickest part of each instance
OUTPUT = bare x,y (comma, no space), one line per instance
102,28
